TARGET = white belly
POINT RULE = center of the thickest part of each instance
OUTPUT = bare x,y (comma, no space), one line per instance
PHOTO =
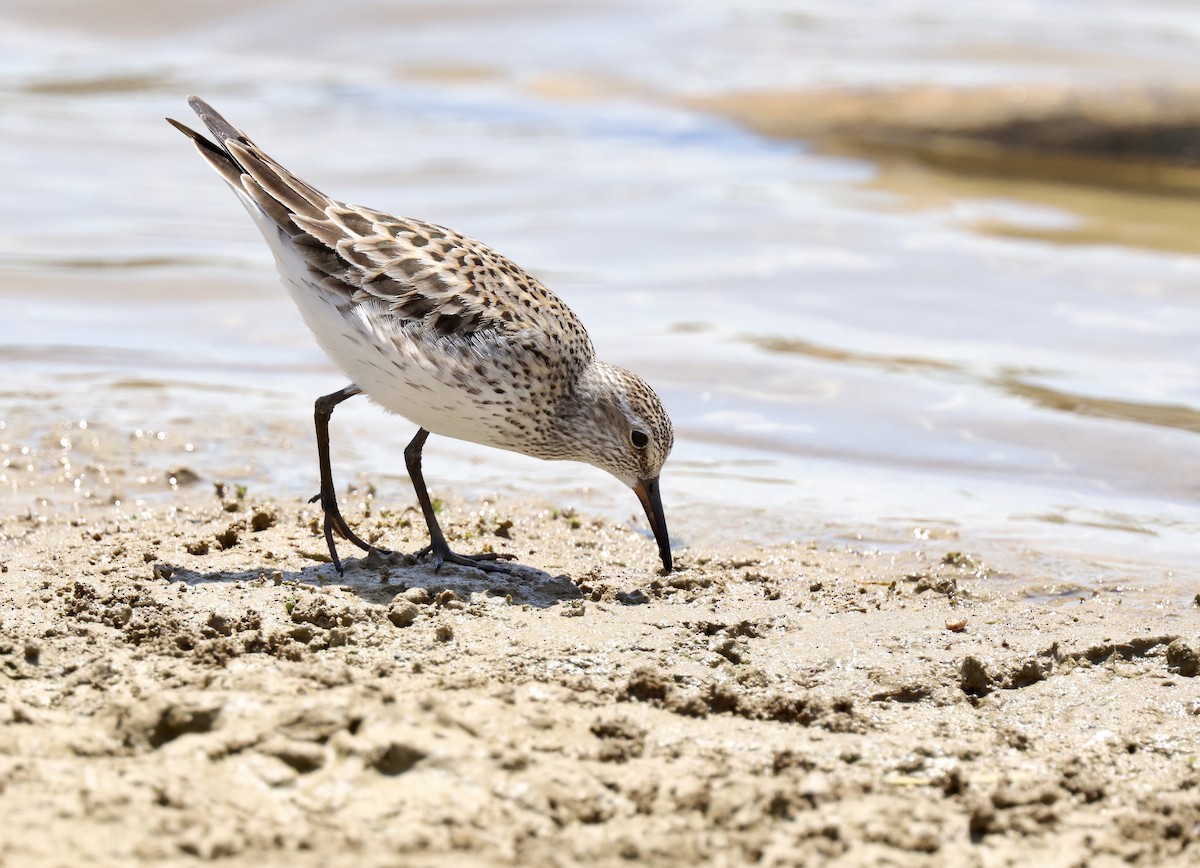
419,379
429,381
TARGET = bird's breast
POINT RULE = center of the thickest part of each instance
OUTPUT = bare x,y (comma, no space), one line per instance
475,389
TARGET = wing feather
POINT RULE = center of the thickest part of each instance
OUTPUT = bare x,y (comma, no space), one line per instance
403,268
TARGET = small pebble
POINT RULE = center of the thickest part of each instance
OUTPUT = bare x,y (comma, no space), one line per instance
403,613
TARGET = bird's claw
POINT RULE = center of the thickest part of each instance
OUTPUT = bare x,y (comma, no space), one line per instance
482,561
334,522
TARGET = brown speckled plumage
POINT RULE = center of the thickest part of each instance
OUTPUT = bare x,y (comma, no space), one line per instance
445,331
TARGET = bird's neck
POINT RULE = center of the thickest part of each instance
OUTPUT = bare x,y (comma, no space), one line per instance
585,411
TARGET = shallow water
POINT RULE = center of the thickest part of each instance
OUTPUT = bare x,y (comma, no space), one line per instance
850,353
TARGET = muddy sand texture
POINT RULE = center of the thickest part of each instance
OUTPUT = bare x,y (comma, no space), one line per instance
1137,136
186,680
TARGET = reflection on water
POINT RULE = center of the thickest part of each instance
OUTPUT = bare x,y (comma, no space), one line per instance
1107,520
65,85
1058,212
851,350
1176,416
1014,383
808,348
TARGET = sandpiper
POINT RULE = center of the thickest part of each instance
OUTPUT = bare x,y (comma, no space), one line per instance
446,332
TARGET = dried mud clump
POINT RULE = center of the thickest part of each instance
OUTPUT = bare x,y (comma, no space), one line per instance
621,739
1165,826
806,708
263,517
402,613
154,722
1013,808
978,678
322,612
224,625
647,684
141,618
1183,659
1081,781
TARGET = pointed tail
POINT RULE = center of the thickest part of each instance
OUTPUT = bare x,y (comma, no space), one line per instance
250,172
216,155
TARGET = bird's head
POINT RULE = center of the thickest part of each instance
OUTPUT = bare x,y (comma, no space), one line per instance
621,427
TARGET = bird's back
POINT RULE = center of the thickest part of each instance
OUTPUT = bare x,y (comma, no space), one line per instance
429,323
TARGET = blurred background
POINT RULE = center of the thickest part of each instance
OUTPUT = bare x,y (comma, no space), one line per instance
902,271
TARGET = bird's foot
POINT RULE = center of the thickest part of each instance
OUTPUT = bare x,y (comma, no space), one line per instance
334,522
485,561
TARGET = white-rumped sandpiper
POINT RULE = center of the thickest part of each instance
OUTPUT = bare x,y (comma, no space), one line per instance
446,332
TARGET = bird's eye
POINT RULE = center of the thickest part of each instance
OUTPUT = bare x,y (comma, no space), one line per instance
639,439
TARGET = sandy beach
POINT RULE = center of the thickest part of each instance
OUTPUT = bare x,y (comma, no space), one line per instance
188,679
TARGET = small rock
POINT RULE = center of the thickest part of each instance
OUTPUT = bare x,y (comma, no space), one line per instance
647,684
1182,658
937,584
228,538
219,624
318,610
632,598
402,613
444,633
263,518
420,596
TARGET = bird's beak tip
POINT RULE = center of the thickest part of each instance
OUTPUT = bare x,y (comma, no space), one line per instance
647,492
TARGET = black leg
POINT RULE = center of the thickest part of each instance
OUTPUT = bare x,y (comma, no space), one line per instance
437,541
322,411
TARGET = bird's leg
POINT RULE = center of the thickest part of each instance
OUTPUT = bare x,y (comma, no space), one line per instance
437,541
322,411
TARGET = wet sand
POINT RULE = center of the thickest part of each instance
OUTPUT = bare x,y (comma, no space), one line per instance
1137,136
1123,160
184,677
